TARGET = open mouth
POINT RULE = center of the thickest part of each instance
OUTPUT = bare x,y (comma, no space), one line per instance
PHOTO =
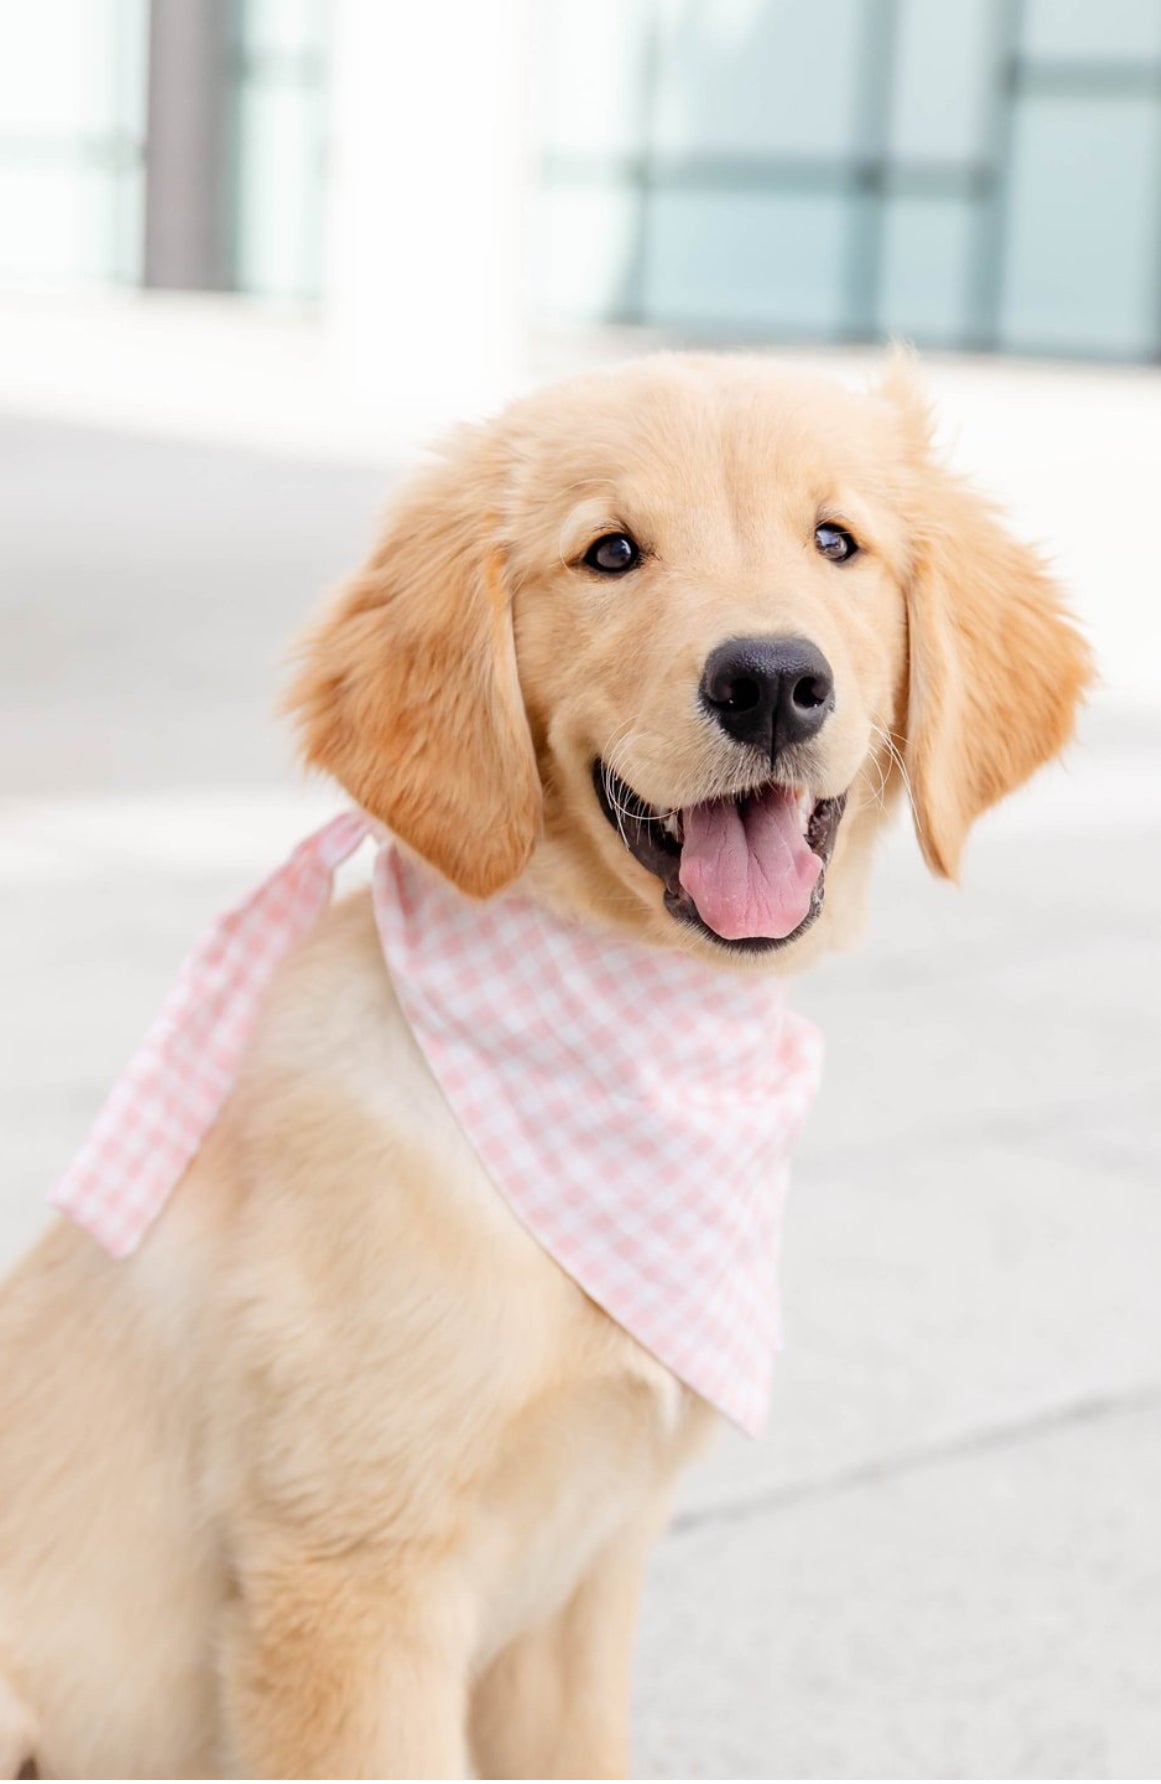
749,872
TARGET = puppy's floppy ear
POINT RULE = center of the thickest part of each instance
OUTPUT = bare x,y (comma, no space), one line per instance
408,692
996,670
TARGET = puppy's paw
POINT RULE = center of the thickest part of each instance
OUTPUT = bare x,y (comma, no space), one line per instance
17,1734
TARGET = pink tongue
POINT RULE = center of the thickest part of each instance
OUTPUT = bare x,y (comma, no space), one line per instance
748,869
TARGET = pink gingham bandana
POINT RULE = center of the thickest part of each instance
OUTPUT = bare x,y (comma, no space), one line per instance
634,1107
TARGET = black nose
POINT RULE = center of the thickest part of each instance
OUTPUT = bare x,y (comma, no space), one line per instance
770,692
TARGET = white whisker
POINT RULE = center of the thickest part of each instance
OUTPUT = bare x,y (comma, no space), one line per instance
613,752
895,756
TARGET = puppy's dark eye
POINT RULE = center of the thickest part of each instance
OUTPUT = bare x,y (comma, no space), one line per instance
613,554
835,543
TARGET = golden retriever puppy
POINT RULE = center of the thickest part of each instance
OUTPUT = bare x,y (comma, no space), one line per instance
340,1474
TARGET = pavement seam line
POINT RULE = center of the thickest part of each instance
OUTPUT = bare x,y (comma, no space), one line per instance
982,1441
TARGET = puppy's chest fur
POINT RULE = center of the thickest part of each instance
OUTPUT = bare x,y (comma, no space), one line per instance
404,1366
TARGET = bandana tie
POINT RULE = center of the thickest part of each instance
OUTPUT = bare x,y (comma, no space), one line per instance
633,1106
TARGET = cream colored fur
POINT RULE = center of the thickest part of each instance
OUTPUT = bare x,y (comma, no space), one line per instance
340,1476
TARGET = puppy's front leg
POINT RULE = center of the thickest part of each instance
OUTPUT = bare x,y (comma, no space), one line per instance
346,1669
17,1728
555,1703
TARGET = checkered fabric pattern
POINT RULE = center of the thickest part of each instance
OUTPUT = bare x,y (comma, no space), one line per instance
635,1108
166,1101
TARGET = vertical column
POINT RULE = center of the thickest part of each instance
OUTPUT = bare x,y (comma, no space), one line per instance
187,146
990,234
429,152
863,272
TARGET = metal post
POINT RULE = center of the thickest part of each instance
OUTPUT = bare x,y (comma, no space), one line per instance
988,265
863,272
187,150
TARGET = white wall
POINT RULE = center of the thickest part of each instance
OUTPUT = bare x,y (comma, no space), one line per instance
430,157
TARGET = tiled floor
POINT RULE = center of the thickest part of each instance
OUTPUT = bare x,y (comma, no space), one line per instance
945,1557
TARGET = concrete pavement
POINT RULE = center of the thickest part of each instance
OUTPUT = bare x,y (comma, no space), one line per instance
945,1557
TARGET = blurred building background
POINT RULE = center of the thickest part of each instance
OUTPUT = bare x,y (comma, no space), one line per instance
976,174
969,175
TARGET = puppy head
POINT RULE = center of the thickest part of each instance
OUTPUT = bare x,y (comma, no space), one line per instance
664,643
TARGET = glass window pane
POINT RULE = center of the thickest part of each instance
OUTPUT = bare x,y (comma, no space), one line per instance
945,73
72,106
927,249
1098,30
285,27
72,67
758,77
125,243
281,83
279,190
747,262
594,76
1082,226
69,224
585,242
